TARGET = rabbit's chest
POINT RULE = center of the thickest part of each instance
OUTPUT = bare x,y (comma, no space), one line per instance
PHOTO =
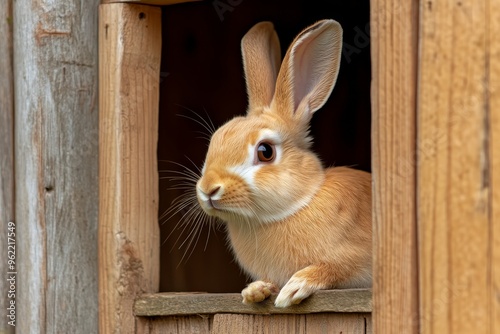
268,252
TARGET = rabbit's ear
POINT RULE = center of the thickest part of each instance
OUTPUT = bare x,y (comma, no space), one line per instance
261,52
309,70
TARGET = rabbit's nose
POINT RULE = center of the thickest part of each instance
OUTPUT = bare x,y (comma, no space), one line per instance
210,197
214,191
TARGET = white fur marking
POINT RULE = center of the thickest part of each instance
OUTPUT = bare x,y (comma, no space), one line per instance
248,168
246,172
296,290
201,195
291,209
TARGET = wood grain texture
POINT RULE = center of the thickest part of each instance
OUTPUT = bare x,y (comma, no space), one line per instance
56,138
493,96
6,146
181,325
458,210
394,28
256,324
161,304
129,72
337,323
150,2
292,323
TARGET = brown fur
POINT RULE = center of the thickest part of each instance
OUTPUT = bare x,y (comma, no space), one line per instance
333,231
291,224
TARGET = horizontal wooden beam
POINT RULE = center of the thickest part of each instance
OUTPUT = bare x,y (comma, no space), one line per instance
168,304
150,2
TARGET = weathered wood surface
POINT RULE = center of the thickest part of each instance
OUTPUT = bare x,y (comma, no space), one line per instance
129,72
349,323
292,323
394,33
493,99
56,139
459,166
161,304
150,2
6,148
198,324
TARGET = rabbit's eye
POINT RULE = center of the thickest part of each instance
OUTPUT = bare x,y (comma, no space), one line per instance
265,152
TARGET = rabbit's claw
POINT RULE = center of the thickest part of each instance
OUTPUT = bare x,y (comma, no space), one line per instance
296,290
257,291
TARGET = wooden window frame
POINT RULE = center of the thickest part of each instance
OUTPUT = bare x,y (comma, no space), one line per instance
435,165
128,226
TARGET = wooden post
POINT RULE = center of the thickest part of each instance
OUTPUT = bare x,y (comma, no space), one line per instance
129,59
55,74
394,32
7,153
459,166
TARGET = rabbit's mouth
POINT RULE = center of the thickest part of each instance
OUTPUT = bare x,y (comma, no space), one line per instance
213,204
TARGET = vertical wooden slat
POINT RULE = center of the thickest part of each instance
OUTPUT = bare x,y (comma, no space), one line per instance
129,71
459,245
355,323
493,31
6,152
257,324
394,33
199,324
55,74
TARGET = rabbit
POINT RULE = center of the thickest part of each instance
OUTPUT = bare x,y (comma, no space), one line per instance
293,226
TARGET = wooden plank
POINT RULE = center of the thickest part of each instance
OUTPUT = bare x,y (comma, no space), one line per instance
150,2
129,71
291,323
256,324
492,40
7,151
181,325
458,182
161,304
56,140
369,324
394,32
337,323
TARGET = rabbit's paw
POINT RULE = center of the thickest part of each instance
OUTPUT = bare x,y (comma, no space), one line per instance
258,291
296,290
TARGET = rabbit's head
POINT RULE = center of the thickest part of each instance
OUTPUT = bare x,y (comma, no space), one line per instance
260,167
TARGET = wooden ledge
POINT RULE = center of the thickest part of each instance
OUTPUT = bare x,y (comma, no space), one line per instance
168,304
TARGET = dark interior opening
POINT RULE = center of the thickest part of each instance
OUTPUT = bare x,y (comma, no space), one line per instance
201,73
